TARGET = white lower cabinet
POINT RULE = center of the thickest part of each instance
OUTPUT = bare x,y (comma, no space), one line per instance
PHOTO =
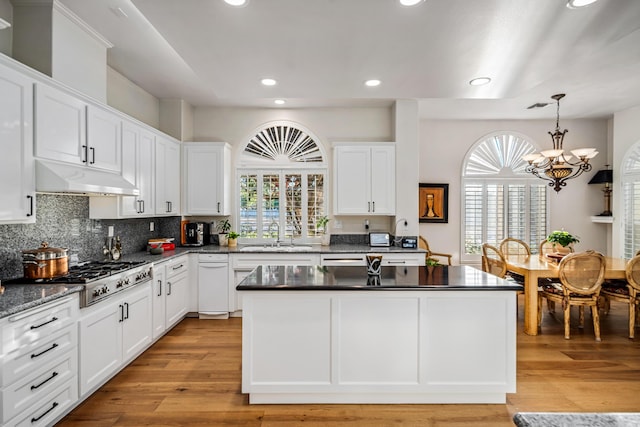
243,264
359,259
170,294
39,363
112,333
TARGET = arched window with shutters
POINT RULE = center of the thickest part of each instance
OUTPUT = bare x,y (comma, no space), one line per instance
499,199
281,178
631,200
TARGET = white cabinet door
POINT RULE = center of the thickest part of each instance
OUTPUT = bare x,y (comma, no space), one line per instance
364,180
167,177
104,139
383,180
136,324
17,176
60,126
176,290
177,298
352,187
137,167
158,301
206,178
100,344
111,333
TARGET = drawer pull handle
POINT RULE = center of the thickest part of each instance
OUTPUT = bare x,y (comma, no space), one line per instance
177,267
53,319
35,419
34,355
55,374
169,288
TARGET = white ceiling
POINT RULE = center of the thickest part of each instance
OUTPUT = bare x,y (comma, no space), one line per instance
322,51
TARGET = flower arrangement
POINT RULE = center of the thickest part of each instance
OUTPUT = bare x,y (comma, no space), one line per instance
431,262
562,238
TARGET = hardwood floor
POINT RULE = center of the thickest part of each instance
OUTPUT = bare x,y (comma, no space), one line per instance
191,377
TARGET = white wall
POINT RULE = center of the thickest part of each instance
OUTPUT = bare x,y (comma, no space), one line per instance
126,96
6,13
626,133
236,125
444,144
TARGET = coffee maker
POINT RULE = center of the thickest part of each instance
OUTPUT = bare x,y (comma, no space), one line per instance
196,233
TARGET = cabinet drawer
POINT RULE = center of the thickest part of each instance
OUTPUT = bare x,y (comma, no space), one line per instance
175,267
29,358
355,260
51,407
38,323
213,258
253,260
22,394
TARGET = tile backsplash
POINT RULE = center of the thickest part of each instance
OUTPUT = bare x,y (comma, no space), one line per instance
63,221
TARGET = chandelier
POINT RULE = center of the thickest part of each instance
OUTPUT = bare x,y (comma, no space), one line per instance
554,165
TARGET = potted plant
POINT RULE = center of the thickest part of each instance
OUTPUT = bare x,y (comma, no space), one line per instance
233,238
431,264
321,224
223,229
562,240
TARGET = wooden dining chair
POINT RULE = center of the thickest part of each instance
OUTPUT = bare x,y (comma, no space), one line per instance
423,244
628,292
581,276
514,248
493,261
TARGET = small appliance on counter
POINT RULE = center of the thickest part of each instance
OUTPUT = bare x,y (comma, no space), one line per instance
409,242
196,233
379,239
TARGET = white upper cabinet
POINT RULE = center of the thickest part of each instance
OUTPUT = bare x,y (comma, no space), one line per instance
60,126
167,177
138,147
104,139
206,178
364,180
72,131
17,176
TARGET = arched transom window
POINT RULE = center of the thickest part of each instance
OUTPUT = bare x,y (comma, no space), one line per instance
499,198
282,184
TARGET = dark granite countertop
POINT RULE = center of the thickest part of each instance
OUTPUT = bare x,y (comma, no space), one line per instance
575,419
355,278
17,298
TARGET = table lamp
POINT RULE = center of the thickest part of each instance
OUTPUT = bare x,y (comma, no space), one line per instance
604,176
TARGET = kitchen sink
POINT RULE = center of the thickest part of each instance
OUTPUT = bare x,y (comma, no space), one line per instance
299,248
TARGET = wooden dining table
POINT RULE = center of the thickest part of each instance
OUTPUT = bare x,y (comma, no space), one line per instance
536,267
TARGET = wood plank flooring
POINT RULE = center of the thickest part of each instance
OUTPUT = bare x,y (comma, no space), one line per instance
191,377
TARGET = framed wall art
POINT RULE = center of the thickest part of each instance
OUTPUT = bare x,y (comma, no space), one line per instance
433,202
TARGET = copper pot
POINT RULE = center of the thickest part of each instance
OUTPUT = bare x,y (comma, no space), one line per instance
45,262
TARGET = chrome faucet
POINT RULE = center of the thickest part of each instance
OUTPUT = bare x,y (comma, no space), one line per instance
278,241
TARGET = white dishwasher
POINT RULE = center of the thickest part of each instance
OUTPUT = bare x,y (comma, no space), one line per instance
213,286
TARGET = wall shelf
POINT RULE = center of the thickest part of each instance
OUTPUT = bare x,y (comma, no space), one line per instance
602,219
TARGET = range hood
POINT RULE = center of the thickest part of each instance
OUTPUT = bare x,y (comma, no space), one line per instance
55,177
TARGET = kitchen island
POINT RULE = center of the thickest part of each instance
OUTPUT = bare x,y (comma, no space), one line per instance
316,334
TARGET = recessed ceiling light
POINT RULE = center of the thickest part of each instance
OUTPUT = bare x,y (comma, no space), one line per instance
279,101
480,81
236,3
410,2
4,24
268,82
575,4
372,83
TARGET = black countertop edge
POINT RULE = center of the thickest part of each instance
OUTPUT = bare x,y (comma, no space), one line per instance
576,419
18,298
430,288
